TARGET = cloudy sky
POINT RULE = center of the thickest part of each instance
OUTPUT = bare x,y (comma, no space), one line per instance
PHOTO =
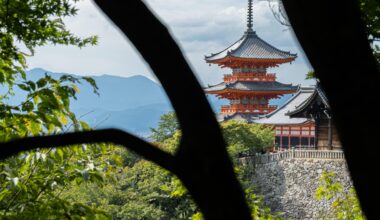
200,27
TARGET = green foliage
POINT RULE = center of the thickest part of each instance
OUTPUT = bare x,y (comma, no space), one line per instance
45,110
85,181
310,75
247,139
328,187
370,15
30,24
242,138
168,125
258,210
31,182
140,191
345,205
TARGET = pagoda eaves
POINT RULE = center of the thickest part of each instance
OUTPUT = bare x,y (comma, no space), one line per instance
264,87
249,87
251,50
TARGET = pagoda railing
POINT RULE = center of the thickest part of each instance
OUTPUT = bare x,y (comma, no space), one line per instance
252,77
249,109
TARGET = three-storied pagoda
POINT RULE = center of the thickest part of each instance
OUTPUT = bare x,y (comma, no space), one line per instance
249,88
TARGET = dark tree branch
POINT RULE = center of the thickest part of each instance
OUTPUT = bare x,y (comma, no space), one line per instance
202,159
202,162
334,39
115,136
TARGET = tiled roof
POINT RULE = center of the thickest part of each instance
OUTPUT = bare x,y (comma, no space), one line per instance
280,116
317,92
252,86
252,46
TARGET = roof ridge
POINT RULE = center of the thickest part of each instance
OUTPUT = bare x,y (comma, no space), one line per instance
214,54
304,101
322,95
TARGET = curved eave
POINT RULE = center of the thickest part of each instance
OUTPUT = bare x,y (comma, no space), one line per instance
307,102
233,46
225,60
279,116
272,92
303,105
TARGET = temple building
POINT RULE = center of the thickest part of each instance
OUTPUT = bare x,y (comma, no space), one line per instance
304,121
249,87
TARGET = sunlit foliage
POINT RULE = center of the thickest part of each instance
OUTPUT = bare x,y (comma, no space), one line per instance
344,204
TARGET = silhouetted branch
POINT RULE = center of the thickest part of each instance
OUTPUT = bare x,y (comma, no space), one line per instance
333,37
202,162
202,159
115,136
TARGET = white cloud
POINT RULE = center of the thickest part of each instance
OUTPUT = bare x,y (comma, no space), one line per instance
201,27
113,55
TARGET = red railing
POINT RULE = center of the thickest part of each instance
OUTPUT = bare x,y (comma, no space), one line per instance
269,77
248,109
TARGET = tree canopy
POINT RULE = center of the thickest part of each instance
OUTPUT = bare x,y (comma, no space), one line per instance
31,182
142,190
370,15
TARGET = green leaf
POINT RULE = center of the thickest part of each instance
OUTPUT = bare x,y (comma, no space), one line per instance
75,88
85,126
27,106
24,87
41,82
92,82
97,178
59,154
32,85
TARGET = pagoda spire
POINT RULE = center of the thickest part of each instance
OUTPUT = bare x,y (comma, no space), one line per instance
249,16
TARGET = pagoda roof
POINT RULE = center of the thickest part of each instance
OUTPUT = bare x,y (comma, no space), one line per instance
281,115
252,86
251,46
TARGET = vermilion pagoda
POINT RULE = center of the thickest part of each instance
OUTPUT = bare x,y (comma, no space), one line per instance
249,88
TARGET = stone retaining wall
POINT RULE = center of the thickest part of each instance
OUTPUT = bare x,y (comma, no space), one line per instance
288,184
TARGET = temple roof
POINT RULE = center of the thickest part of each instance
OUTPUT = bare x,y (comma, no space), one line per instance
252,86
252,46
280,116
318,92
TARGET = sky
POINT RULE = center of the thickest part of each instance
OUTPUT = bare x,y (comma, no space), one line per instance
201,27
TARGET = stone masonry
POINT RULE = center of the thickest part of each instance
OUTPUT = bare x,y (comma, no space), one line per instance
288,183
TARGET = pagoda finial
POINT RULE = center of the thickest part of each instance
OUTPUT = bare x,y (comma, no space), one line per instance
249,16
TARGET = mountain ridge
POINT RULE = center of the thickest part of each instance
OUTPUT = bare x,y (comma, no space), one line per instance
133,103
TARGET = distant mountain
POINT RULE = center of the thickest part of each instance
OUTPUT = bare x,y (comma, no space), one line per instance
116,93
134,103
137,120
